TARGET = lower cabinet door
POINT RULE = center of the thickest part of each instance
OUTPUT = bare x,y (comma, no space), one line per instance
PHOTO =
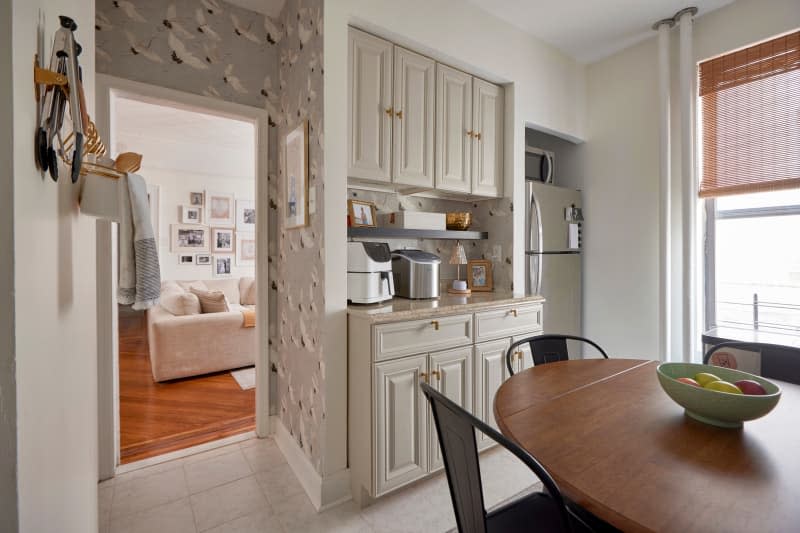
490,372
401,422
450,374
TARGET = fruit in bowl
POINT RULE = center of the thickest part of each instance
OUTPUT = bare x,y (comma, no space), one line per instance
720,396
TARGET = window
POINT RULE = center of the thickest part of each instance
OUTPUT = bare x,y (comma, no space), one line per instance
750,161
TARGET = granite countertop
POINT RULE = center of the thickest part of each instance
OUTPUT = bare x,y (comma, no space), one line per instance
403,309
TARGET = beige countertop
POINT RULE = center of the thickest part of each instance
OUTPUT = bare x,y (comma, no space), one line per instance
403,309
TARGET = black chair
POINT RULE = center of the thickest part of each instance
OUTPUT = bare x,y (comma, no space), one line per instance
539,511
777,361
547,349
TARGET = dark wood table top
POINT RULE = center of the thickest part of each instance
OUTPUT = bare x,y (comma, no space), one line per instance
620,447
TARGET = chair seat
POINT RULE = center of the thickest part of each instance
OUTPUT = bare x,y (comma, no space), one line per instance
532,513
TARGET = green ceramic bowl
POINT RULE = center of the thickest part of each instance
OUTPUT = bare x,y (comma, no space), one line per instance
721,409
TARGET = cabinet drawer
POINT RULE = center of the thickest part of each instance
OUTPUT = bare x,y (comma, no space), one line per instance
419,336
507,321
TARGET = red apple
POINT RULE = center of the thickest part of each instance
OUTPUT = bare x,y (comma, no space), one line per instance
748,386
689,381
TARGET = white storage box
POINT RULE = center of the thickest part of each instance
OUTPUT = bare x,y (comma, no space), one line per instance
414,220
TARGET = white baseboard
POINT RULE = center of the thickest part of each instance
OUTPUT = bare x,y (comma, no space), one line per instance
323,492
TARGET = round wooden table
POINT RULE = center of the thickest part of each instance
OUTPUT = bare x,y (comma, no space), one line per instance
620,447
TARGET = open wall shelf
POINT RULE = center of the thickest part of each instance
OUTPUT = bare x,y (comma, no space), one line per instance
402,233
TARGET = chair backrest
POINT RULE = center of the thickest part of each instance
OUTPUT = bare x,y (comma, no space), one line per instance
777,361
548,349
456,430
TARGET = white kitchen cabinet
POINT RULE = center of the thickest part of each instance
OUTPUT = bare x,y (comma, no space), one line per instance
490,373
413,127
487,140
401,420
370,116
450,374
453,130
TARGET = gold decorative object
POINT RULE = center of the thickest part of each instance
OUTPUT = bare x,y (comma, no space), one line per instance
459,220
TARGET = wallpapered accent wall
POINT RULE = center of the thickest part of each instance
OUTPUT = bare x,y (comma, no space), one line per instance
299,280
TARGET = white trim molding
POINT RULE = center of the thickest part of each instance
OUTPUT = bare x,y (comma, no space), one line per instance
324,492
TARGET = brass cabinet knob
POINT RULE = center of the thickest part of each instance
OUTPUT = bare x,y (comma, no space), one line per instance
477,135
470,133
514,312
435,324
399,114
390,111
436,374
520,355
423,376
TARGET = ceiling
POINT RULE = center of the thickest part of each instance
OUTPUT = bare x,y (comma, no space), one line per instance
271,8
589,30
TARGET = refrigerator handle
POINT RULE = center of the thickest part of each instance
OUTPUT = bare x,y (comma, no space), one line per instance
537,212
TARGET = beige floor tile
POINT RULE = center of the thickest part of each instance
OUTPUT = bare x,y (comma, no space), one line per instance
260,522
174,517
222,504
143,493
215,452
105,496
217,470
263,455
148,471
279,483
344,518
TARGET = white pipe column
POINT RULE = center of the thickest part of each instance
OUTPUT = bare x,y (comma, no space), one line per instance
689,186
665,190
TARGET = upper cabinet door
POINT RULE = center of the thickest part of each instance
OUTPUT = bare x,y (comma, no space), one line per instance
487,147
453,129
369,122
412,135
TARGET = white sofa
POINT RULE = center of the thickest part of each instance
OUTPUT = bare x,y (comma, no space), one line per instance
184,342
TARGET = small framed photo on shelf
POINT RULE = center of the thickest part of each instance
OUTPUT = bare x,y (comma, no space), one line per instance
245,215
196,199
191,214
220,209
221,240
222,265
362,214
479,275
202,259
245,249
185,259
188,238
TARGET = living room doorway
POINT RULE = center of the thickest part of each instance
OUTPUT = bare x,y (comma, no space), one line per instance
192,372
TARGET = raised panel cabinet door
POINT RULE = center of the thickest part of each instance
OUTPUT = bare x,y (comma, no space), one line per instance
487,141
401,422
453,129
450,374
490,372
369,125
525,361
412,131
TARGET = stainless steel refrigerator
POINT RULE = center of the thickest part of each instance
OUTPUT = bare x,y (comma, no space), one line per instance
554,220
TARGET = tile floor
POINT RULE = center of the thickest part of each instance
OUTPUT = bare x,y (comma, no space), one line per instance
248,487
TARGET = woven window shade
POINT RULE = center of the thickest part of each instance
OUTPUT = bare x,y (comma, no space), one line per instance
750,119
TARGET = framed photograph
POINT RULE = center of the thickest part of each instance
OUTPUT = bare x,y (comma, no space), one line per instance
187,238
191,215
479,275
245,249
220,209
222,265
154,203
202,259
295,208
362,214
221,240
245,215
186,259
196,199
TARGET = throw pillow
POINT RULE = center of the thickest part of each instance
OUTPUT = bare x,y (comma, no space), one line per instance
211,301
187,285
247,289
180,303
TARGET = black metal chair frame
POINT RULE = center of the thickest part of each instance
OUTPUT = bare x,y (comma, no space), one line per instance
438,400
546,337
766,349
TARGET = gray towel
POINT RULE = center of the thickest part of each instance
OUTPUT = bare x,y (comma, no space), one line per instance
139,272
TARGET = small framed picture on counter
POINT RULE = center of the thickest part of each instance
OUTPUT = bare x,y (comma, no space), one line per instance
362,214
479,275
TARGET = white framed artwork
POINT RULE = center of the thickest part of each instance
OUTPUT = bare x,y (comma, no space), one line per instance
221,240
245,248
186,259
196,199
202,259
188,238
220,209
245,215
191,214
222,265
295,208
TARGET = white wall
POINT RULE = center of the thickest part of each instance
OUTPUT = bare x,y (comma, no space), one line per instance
56,354
546,89
620,176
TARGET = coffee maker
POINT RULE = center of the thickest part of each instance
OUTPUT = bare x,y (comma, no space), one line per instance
369,272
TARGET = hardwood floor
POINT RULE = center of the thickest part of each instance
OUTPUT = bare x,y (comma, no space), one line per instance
156,418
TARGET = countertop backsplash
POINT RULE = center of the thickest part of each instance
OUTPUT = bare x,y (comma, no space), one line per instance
493,216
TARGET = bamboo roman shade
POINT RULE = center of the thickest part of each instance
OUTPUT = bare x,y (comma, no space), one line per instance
750,119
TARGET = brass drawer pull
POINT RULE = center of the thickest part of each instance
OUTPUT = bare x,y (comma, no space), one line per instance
478,136
470,133
520,355
399,114
423,376
435,324
436,374
390,111
514,312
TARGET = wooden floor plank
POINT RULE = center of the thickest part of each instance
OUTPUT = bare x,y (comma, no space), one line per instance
157,418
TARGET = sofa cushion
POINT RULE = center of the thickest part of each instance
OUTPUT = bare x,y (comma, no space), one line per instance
211,301
247,291
180,303
230,286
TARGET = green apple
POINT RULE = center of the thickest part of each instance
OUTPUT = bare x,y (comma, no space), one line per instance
723,386
704,378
